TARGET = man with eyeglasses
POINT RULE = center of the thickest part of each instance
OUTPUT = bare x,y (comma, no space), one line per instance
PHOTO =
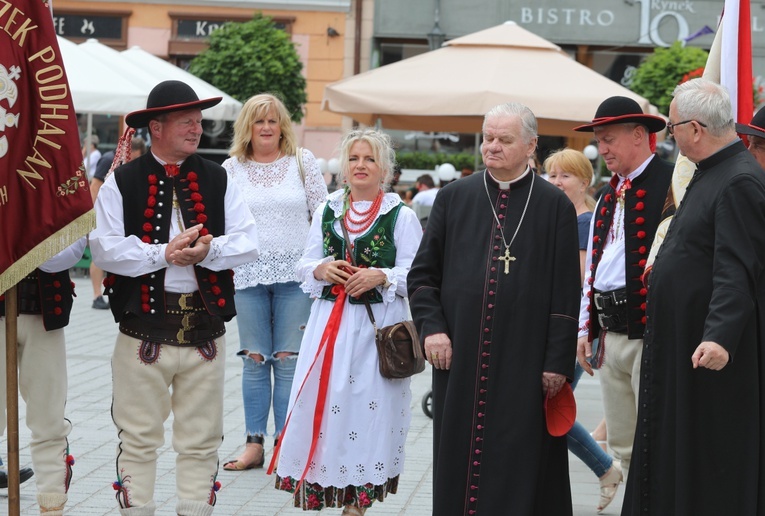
755,131
700,445
622,229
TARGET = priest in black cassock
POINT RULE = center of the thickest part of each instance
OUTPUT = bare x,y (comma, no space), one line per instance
700,441
494,291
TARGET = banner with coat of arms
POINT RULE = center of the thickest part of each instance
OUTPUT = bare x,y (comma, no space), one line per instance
45,202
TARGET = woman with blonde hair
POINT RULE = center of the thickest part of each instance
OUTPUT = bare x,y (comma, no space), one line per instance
282,185
571,171
343,444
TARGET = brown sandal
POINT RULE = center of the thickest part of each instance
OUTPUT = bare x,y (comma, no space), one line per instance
239,464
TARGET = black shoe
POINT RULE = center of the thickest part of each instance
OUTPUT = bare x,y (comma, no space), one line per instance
100,303
24,475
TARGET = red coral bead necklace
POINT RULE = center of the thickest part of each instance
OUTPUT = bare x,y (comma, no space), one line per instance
366,217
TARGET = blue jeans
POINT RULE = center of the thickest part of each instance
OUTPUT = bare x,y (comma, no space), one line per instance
271,320
581,443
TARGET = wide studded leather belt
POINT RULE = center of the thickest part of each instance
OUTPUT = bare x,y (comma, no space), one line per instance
611,307
29,295
186,323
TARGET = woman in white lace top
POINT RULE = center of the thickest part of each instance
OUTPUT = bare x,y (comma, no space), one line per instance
282,189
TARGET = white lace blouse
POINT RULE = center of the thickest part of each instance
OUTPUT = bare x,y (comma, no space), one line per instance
281,206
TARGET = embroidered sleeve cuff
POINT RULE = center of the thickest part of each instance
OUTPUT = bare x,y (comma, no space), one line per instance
215,252
311,285
388,290
155,254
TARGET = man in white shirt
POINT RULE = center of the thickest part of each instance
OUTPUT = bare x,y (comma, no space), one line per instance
44,305
91,154
621,233
422,202
169,230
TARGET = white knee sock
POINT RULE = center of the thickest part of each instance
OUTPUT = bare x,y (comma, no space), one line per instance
193,508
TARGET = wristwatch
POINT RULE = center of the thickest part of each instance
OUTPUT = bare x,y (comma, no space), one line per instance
387,283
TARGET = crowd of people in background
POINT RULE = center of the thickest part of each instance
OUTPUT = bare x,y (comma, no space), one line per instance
521,277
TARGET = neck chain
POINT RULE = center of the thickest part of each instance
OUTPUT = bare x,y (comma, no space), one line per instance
616,225
506,257
177,209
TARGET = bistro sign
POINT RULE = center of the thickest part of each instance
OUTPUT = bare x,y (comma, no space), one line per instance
660,22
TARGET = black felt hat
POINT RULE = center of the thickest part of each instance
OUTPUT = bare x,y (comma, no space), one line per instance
754,128
165,97
622,110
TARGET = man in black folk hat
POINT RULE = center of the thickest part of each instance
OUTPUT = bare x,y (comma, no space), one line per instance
169,230
755,132
621,233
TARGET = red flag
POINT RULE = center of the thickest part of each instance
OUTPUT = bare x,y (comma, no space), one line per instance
730,64
736,58
45,202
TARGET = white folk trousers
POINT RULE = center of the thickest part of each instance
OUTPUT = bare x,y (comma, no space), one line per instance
43,385
150,381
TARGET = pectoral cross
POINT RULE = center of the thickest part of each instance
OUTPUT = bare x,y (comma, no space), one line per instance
507,259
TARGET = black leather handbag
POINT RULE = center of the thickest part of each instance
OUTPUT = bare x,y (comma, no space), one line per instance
398,345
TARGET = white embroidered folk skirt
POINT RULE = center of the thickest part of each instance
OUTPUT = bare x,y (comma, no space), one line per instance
366,417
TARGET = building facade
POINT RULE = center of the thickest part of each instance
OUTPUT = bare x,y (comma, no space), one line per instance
324,33
608,36
339,38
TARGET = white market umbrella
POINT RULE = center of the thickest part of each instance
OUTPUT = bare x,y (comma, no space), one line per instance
452,88
161,70
96,88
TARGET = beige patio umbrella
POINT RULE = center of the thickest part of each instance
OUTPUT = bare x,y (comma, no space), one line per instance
451,88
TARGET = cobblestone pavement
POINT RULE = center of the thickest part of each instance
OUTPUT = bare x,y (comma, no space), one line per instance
90,339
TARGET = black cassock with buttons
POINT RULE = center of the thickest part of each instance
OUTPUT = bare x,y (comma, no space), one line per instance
492,452
700,440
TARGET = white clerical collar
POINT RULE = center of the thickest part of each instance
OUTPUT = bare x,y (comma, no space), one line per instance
505,185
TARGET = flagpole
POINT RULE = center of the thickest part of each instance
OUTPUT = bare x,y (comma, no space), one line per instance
12,398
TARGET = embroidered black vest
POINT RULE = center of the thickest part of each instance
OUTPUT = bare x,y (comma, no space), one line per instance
375,248
147,203
56,293
643,205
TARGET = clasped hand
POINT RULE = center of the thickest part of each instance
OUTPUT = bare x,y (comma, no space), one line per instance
188,248
356,280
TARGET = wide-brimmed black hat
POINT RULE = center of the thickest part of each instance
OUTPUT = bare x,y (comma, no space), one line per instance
754,128
165,97
622,110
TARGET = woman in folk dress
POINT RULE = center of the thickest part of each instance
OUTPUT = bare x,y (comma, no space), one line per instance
343,443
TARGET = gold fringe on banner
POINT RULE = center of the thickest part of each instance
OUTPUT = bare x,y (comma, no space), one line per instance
47,249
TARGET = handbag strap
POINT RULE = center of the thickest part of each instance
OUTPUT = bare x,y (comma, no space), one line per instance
349,247
301,168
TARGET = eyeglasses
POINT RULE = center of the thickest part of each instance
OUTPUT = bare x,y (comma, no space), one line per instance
671,126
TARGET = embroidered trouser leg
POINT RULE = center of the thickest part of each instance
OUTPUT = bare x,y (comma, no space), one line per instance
149,381
620,384
43,386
